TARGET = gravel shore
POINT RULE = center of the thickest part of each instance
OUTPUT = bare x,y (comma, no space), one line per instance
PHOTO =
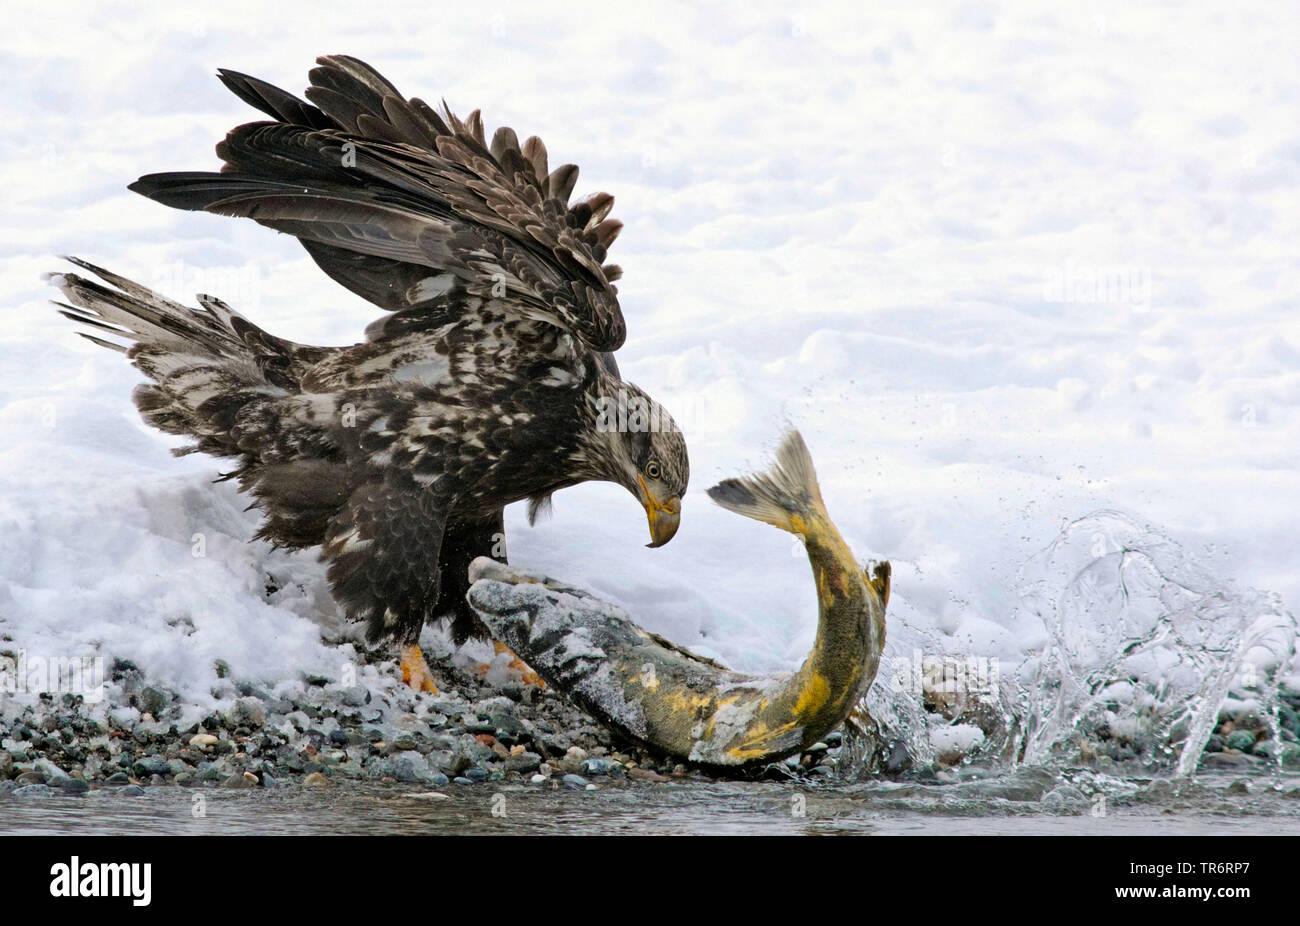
314,732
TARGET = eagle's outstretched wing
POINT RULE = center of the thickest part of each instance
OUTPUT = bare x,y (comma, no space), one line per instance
403,204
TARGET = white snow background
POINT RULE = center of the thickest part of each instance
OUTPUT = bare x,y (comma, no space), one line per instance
880,224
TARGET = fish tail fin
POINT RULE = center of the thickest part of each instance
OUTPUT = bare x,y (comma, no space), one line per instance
786,496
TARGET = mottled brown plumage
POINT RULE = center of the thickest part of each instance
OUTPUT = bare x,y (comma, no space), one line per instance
487,383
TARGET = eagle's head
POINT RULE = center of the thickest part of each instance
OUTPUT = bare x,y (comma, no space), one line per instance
640,447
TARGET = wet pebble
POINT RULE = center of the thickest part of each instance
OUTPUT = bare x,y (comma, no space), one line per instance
151,765
523,762
153,700
596,767
356,696
1226,760
646,774
1241,740
68,785
34,790
48,769
249,712
1065,798
897,759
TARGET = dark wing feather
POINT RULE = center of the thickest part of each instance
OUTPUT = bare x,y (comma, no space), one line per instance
281,106
417,195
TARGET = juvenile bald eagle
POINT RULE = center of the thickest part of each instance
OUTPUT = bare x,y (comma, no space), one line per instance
490,380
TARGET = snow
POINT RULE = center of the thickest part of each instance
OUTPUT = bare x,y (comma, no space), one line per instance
1002,265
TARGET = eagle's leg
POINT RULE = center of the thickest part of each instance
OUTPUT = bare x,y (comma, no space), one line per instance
415,671
382,547
463,542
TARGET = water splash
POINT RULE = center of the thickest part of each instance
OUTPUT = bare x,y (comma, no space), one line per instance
1143,646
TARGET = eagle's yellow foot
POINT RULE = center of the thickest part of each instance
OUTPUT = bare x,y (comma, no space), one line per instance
415,671
529,676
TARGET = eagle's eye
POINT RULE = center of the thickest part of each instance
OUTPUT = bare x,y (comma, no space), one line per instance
652,470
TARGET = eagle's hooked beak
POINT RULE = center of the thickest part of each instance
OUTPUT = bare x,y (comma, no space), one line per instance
663,516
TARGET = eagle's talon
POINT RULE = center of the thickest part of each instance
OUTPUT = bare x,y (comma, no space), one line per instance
415,671
529,676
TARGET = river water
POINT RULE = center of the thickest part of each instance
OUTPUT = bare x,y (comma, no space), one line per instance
1010,804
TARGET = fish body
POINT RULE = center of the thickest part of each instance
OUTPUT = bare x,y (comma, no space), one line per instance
668,699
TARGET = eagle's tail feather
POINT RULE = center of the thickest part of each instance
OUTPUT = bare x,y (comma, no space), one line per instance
786,496
129,310
203,362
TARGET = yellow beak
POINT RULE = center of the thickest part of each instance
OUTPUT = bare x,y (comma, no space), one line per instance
663,516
